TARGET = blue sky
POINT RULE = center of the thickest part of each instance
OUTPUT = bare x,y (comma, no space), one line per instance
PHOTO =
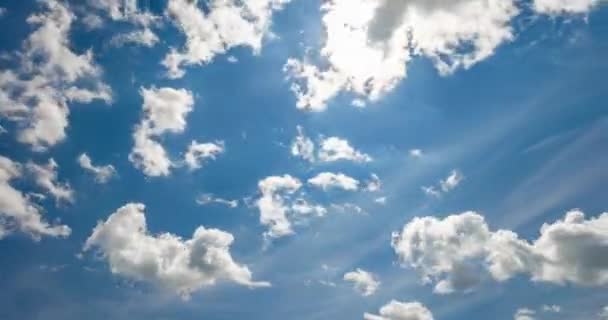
450,166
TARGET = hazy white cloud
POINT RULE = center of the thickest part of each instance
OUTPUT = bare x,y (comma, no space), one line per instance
45,176
199,152
336,149
102,173
303,147
2,11
445,185
17,211
396,310
456,252
207,198
366,283
49,76
224,25
554,7
374,184
386,34
164,111
272,206
180,265
329,180
303,207
144,37
551,308
415,153
525,314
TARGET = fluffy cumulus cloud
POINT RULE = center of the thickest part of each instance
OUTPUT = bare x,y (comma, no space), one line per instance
336,149
17,211
164,111
180,265
386,34
45,176
126,11
199,152
554,7
49,75
303,147
272,204
330,180
366,283
223,25
456,252
396,310
102,173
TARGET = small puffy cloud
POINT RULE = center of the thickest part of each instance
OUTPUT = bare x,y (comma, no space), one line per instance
223,25
329,180
17,211
555,7
303,147
456,252
524,314
207,198
179,265
272,206
199,152
45,176
102,173
387,34
49,76
164,111
396,310
144,37
366,283
303,207
336,149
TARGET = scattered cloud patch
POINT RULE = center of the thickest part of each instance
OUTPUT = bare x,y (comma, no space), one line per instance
336,149
272,206
45,176
366,283
303,147
396,310
557,7
445,185
524,314
18,212
329,180
102,173
199,152
179,265
207,198
164,111
455,253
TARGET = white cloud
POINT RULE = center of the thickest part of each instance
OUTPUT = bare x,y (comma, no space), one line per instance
208,198
329,180
416,153
396,310
386,34
524,314
452,181
17,212
199,152
456,252
2,12
604,313
555,7
226,24
102,173
551,308
273,210
365,283
45,176
303,147
336,149
92,21
180,265
380,200
164,110
49,75
303,207
445,185
374,184
144,37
